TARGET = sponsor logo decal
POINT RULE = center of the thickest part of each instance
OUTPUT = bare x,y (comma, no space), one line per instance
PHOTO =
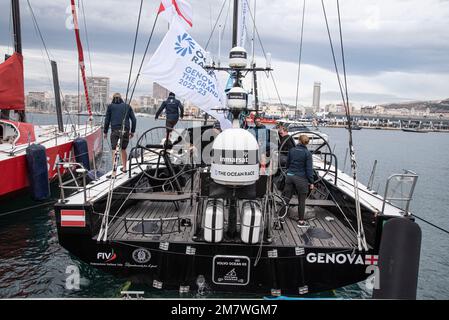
141,255
342,258
106,256
231,276
184,45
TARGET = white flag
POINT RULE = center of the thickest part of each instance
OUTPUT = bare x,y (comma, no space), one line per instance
178,65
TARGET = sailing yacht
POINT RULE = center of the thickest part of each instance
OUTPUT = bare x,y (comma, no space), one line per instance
199,209
17,136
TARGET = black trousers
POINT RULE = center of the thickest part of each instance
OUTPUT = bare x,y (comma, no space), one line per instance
300,186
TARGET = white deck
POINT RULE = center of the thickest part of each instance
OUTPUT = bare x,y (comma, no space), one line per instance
48,136
368,198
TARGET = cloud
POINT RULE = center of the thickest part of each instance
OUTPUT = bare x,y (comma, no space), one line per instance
394,49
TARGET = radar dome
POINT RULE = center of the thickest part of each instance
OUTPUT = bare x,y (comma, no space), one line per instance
235,158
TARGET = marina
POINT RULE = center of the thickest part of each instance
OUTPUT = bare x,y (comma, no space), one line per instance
41,271
233,205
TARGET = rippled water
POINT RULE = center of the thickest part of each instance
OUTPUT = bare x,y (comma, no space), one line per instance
33,265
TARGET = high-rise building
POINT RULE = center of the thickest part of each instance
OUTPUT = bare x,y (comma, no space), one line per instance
316,96
99,93
40,101
74,102
159,92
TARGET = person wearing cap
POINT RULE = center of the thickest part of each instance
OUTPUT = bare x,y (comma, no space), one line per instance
118,118
173,109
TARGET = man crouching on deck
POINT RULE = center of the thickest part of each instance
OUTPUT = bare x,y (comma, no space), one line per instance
120,114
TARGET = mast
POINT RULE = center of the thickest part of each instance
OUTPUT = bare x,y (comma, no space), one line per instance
16,26
256,90
235,26
17,34
54,68
82,66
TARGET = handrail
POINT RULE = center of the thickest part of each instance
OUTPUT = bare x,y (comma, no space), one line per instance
327,162
156,220
64,185
407,174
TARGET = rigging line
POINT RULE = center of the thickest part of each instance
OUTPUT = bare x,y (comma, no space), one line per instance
256,29
254,33
361,232
343,56
430,223
300,52
134,51
264,52
105,222
144,56
11,36
215,26
225,25
28,208
87,37
39,33
353,160
276,88
38,29
333,55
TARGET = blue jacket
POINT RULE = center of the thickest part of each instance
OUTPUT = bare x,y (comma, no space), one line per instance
300,162
172,108
115,115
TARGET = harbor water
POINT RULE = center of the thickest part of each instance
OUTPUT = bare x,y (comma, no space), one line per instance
33,265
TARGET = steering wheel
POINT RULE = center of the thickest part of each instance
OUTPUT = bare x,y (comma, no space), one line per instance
321,148
164,156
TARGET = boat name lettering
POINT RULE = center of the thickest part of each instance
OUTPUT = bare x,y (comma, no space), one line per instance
341,258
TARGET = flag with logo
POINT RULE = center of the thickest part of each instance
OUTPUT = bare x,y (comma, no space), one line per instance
178,65
182,8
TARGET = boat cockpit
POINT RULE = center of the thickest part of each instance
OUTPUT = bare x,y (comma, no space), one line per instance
8,133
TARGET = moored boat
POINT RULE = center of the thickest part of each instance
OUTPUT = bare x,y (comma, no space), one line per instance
200,209
54,143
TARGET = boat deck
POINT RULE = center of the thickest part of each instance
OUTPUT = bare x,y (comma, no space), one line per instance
322,232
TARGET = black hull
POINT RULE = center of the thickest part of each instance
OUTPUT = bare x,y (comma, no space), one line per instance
286,270
314,270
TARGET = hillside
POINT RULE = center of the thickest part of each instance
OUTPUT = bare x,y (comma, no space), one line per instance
434,106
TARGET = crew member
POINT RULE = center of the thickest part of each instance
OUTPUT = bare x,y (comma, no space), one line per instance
299,176
118,117
285,144
173,109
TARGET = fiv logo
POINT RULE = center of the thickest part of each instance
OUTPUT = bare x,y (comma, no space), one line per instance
107,256
184,44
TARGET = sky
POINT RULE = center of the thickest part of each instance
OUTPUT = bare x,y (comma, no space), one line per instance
395,50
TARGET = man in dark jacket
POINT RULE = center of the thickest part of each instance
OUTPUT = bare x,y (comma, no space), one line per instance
173,108
299,176
286,143
118,115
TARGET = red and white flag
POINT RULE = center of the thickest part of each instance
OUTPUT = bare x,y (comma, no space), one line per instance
73,218
182,8
371,260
